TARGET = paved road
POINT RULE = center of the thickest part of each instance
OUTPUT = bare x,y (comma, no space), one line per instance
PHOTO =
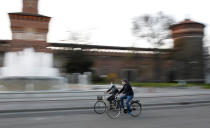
66,104
20,101
186,117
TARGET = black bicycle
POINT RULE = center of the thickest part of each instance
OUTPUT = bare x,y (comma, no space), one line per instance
114,109
100,106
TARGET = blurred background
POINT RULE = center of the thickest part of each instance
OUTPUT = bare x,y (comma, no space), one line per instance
45,44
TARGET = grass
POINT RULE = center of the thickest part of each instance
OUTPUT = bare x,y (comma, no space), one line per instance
153,84
206,86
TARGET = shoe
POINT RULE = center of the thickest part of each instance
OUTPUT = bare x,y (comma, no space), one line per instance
125,111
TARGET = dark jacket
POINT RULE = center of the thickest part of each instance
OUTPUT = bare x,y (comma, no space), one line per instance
127,90
113,90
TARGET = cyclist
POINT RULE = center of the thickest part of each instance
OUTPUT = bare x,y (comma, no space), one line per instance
113,91
127,94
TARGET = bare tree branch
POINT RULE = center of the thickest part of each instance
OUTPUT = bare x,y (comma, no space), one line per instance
155,29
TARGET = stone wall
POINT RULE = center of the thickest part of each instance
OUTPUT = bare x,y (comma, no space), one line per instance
134,68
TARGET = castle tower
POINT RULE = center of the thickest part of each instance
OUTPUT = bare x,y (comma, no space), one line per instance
29,29
30,6
188,47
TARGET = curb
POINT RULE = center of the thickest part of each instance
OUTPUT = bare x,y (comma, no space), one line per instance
89,99
164,105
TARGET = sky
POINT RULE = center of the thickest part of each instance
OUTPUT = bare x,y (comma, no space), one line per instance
105,22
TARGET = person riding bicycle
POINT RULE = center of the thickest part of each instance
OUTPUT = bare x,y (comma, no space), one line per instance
113,91
128,94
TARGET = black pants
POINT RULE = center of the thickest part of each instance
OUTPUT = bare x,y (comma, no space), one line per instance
111,98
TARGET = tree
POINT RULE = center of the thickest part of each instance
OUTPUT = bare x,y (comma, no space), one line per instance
155,29
78,62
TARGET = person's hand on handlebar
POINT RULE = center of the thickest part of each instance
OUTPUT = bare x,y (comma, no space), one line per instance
117,95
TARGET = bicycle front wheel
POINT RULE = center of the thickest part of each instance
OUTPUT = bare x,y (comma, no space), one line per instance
100,107
114,110
136,109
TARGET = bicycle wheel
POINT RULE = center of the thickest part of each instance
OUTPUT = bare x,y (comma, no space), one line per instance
136,109
100,107
114,110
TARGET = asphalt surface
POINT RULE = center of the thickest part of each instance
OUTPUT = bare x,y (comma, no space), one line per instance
45,105
181,117
71,100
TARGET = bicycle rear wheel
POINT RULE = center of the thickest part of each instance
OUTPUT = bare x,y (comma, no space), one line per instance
136,109
114,110
100,107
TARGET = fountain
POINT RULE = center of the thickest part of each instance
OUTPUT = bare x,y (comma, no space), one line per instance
28,70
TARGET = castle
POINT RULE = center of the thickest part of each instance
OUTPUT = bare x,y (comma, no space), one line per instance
183,62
